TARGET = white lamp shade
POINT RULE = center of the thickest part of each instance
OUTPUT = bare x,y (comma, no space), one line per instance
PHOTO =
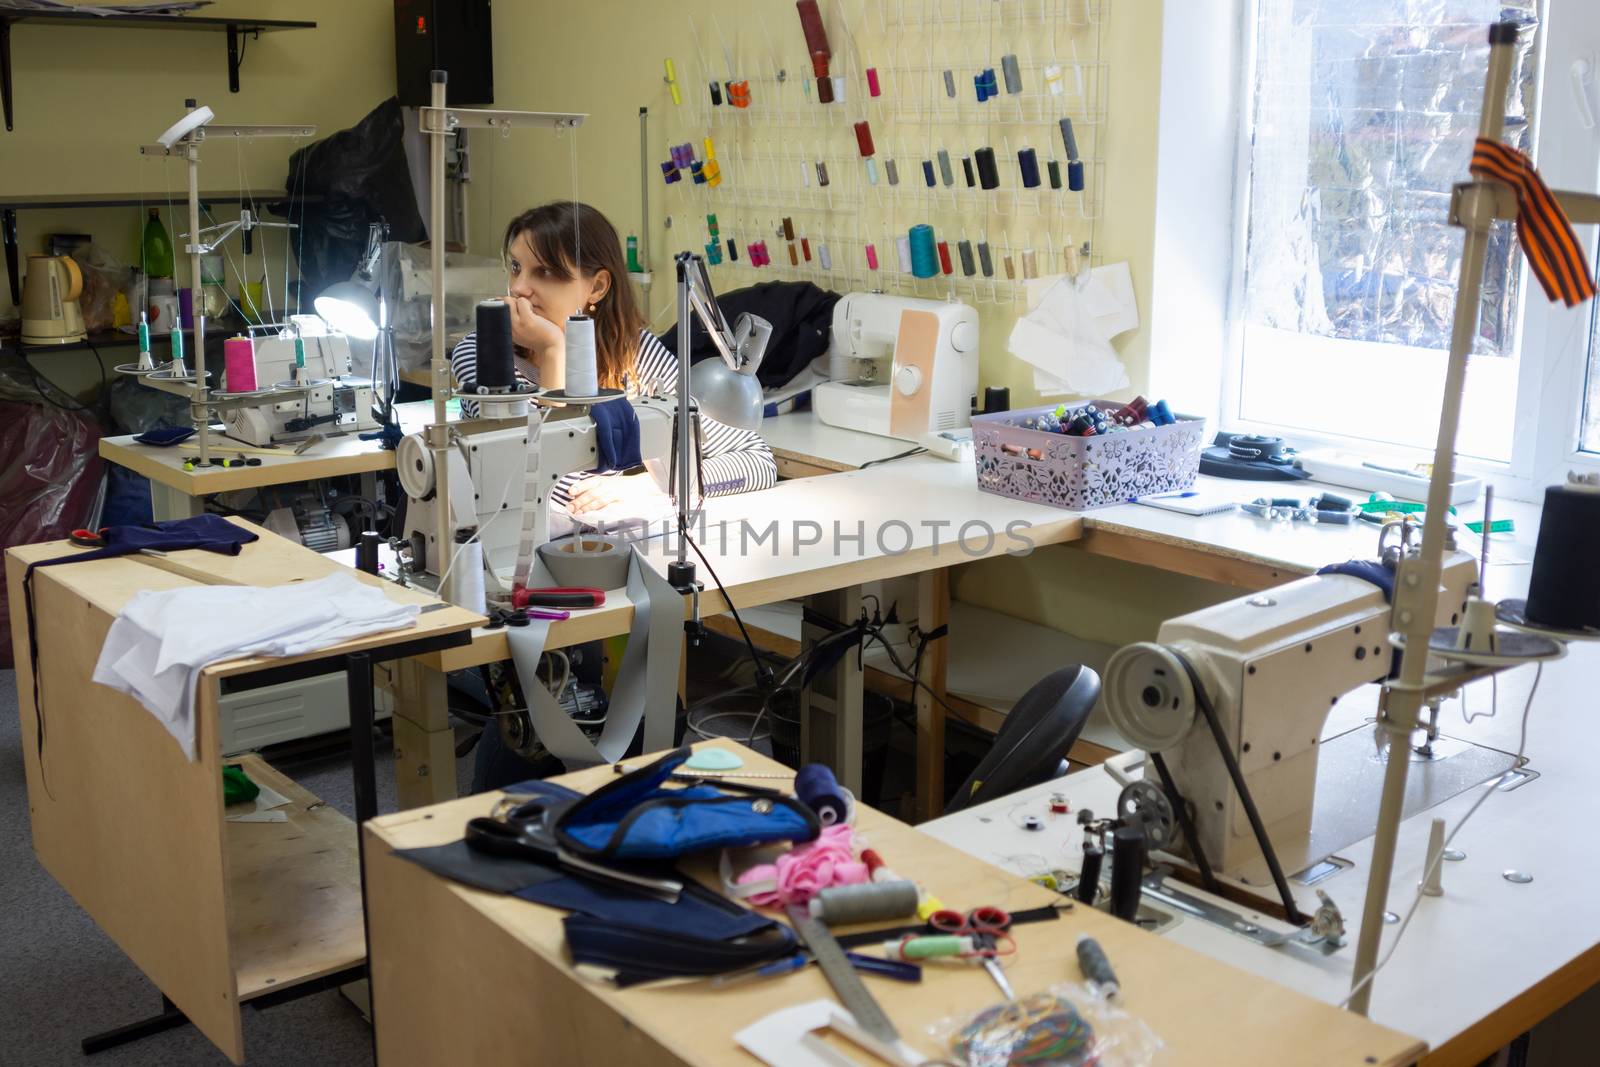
351,309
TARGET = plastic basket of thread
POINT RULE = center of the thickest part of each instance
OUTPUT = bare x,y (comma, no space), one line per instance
1087,455
1065,1026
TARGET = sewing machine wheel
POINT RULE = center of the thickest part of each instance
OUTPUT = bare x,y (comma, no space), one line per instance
516,730
1145,803
414,465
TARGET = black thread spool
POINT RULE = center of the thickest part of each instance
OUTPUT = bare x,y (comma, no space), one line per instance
367,552
1564,589
988,171
985,260
968,267
1055,174
1127,870
496,369
1089,874
716,95
966,169
1028,164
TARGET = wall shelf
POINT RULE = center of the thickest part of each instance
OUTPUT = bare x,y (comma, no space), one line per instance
234,28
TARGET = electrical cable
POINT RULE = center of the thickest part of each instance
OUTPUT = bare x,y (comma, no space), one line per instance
39,383
900,455
1427,874
763,672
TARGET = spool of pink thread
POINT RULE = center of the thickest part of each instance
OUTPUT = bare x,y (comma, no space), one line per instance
239,358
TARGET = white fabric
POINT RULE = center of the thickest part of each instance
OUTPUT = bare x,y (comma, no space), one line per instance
160,642
1066,335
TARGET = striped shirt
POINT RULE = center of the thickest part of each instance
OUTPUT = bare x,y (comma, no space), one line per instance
736,461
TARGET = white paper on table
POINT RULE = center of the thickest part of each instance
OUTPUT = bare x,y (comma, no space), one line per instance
1066,335
261,808
775,1039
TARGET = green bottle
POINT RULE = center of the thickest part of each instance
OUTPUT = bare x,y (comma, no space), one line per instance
157,248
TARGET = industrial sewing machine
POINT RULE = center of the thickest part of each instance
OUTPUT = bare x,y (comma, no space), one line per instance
331,399
1271,666
490,467
916,366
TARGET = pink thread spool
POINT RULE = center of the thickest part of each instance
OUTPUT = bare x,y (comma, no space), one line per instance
872,82
239,359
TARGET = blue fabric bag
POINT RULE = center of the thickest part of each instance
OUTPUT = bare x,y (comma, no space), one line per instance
637,818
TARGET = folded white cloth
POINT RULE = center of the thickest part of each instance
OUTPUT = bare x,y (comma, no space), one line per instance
160,642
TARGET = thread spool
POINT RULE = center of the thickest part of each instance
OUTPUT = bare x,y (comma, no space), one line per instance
968,172
872,257
931,947
819,66
988,171
902,247
824,258
1054,168
944,258
820,791
1030,264
873,88
927,173
496,370
822,173
1011,268
1028,164
864,140
670,172
1089,874
1053,79
788,228
466,572
672,81
924,251
824,90
872,172
710,148
1564,588
367,552
733,250
1075,175
946,174
713,252
716,95
1012,74
805,248
794,255
582,372
891,172
838,87
870,902
238,357
712,227
1069,141
984,259
977,87
811,25
1096,967
968,267
949,84
805,175
1127,868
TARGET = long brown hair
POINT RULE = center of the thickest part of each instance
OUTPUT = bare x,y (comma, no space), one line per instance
573,239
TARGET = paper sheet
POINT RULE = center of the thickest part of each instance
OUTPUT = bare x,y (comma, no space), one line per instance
260,809
775,1039
1066,334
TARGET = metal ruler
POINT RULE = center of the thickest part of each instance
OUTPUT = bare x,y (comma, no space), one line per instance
841,974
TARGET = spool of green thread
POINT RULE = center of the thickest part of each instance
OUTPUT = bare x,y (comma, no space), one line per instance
934,947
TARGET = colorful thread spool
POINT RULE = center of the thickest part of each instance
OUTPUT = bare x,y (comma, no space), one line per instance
794,255
672,81
924,252
822,173
902,247
716,95
873,89
711,226
864,140
1030,264
1075,175
670,171
816,33
949,84
927,173
944,258
1011,268
239,358
1012,74
845,905
787,228
872,257
984,259
733,250
824,90
1069,140
988,171
872,171
1053,79
838,87
713,252
805,248
1028,165
739,93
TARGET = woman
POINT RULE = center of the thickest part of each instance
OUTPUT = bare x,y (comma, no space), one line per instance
565,259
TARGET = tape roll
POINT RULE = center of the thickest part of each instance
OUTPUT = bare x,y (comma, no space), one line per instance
590,561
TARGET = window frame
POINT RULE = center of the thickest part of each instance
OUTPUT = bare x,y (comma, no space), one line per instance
1553,341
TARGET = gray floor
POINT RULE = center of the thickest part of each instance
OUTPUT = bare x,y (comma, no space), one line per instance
63,979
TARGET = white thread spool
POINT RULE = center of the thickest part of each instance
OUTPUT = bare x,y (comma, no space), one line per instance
902,247
467,584
1055,80
583,376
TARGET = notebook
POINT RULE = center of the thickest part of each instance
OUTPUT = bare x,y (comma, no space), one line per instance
1191,502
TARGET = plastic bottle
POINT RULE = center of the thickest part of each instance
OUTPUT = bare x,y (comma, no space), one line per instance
157,247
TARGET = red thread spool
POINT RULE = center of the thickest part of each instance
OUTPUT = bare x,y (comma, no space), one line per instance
864,139
872,82
944,257
805,248
824,89
816,33
739,93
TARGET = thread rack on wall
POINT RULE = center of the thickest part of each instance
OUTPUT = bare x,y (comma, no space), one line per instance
960,103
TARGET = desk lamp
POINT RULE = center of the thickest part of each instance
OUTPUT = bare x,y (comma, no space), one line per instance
357,308
725,389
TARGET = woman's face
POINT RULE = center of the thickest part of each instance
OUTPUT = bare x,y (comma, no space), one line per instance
553,299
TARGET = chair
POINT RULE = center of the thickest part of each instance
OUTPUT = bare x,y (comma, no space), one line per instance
1035,737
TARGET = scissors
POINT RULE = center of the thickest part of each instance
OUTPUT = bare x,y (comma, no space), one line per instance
986,926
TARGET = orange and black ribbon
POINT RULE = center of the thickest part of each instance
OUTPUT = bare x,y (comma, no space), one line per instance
1543,228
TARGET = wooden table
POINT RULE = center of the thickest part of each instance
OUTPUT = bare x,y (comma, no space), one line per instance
464,976
176,493
215,913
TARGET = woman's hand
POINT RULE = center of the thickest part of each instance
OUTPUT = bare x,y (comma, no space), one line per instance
630,494
541,337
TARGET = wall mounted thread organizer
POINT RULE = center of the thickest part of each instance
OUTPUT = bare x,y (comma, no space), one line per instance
898,114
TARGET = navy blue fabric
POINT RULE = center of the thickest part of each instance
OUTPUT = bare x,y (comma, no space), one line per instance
127,497
616,435
698,912
165,436
1368,570
636,818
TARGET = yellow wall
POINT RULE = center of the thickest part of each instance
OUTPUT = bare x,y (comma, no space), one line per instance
86,96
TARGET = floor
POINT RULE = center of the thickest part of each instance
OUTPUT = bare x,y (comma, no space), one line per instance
64,979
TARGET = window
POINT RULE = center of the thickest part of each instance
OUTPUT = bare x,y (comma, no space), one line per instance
1361,117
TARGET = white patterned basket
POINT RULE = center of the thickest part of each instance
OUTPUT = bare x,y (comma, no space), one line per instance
1083,472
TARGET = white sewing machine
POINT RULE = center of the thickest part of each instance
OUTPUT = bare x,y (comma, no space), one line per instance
337,401
1272,665
489,474
917,366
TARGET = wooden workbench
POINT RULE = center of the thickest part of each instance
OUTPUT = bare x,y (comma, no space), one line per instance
214,913
464,976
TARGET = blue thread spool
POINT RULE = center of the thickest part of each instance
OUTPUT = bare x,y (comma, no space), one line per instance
669,171
698,172
820,791
977,87
713,252
924,252
927,173
1160,414
1028,163
991,85
1075,175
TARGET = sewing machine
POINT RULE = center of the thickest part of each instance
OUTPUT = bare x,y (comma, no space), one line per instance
489,468
930,348
1272,665
336,401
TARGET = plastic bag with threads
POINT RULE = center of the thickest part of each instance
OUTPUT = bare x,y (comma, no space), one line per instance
1065,1026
